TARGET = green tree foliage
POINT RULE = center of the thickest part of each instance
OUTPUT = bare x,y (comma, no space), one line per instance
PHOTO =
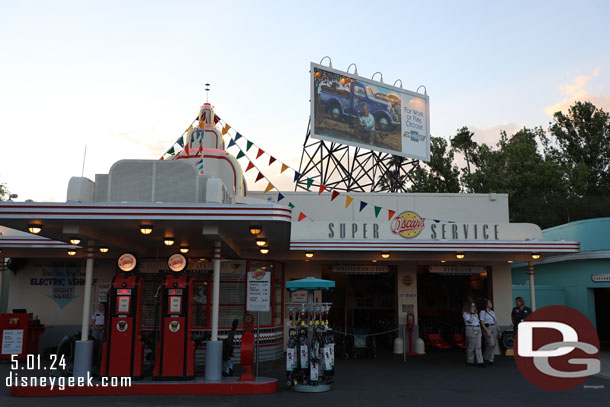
440,174
551,177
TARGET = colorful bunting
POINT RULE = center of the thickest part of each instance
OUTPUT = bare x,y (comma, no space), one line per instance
237,136
279,196
269,188
291,205
260,152
391,214
225,129
348,200
231,143
322,188
297,175
271,160
284,168
171,151
334,195
199,162
240,154
249,145
302,216
259,177
309,182
377,210
180,142
250,166
362,205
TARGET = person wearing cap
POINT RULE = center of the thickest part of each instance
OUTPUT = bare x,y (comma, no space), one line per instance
487,316
473,335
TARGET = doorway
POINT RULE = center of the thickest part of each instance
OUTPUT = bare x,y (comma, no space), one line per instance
602,316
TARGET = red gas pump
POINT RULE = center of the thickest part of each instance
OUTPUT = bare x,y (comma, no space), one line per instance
175,358
247,350
410,328
123,349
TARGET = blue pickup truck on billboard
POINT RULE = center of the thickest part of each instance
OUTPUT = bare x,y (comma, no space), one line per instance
341,101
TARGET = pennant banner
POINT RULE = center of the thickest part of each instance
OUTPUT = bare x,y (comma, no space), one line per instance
250,166
334,195
269,187
348,200
279,196
260,152
248,145
284,168
362,205
259,176
322,188
302,216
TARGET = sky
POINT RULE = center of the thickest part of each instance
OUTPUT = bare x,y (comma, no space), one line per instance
125,79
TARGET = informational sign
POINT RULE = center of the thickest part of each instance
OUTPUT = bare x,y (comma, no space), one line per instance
127,262
259,291
177,262
600,278
360,269
12,342
458,270
175,304
349,109
298,296
123,304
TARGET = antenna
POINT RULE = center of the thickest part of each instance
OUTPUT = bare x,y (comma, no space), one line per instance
84,157
207,91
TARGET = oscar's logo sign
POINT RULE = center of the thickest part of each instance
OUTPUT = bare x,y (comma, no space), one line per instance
408,224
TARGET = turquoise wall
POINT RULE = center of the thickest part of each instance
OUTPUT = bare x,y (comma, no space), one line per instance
568,282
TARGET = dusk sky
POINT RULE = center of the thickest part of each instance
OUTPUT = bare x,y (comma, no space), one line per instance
126,78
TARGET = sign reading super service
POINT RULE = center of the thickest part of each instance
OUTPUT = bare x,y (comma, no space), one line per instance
349,109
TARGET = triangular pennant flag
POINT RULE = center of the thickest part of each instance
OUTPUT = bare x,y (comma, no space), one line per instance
225,129
348,200
297,175
231,143
162,158
248,145
436,220
250,166
271,160
240,154
302,216
260,152
186,148
309,182
200,150
291,205
199,162
322,188
334,195
216,119
377,210
170,151
259,176
237,136
284,168
279,196
391,214
362,205
180,142
269,188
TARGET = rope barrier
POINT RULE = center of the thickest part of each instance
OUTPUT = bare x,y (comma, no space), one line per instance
373,334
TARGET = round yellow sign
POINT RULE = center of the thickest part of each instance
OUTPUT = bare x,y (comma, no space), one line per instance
408,224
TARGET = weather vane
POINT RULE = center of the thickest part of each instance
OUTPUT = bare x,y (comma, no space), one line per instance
207,91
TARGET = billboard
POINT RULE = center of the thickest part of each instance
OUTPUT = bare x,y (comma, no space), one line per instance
349,109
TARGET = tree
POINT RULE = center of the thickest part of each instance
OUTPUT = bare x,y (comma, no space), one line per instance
3,191
462,142
440,174
580,142
394,179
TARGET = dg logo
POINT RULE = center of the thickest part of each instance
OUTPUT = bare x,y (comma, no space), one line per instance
557,348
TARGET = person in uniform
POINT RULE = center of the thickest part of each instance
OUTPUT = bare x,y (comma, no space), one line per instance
490,327
520,312
473,335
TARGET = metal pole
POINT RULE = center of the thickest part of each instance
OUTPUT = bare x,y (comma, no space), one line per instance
532,291
216,291
404,342
84,333
258,327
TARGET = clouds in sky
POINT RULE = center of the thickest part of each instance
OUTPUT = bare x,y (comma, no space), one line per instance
577,91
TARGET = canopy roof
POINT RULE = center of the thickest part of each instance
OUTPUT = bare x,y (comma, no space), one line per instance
310,283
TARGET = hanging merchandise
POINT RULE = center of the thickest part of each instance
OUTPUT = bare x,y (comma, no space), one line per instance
314,341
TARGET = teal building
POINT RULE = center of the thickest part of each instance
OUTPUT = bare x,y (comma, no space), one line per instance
578,280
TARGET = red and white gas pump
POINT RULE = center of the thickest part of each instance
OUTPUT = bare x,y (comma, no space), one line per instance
175,356
122,352
410,329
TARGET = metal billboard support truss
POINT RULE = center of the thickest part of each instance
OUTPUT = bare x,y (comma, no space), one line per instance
353,169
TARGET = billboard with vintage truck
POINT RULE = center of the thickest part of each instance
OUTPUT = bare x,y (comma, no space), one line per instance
349,109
